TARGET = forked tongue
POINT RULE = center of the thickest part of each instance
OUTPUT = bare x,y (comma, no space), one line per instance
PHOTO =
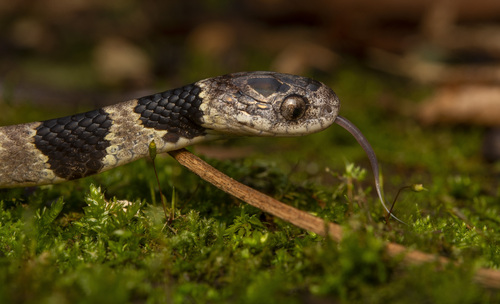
361,139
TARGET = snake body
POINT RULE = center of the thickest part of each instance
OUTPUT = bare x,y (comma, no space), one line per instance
240,104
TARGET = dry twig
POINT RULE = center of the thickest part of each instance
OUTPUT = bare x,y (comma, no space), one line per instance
487,277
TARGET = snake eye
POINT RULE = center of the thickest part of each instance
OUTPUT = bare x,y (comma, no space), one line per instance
293,107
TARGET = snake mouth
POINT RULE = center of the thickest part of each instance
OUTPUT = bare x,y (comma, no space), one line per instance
267,104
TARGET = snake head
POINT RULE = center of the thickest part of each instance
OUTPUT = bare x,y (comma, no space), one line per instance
266,104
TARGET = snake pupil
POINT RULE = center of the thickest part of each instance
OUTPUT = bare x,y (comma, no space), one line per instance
293,107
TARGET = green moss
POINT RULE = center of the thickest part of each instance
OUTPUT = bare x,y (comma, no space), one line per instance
81,243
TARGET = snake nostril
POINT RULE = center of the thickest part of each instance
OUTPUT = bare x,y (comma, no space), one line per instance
328,109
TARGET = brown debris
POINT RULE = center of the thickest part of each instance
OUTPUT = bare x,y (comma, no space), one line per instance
118,61
485,276
477,105
213,39
300,56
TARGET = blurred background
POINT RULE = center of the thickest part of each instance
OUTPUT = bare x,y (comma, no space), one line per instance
420,78
83,54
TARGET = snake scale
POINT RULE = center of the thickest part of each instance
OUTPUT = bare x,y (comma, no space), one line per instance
249,103
239,104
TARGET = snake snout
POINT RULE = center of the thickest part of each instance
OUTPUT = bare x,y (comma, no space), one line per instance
267,104
328,110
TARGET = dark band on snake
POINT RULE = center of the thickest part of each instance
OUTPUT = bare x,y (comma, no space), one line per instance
240,104
177,111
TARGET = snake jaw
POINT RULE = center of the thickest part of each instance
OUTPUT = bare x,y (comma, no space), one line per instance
251,104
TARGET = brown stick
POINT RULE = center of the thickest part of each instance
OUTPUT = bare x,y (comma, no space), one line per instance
487,277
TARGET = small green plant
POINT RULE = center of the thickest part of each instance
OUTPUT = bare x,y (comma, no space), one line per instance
81,243
152,155
414,188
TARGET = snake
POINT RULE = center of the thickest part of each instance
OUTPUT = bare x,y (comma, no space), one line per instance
256,103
